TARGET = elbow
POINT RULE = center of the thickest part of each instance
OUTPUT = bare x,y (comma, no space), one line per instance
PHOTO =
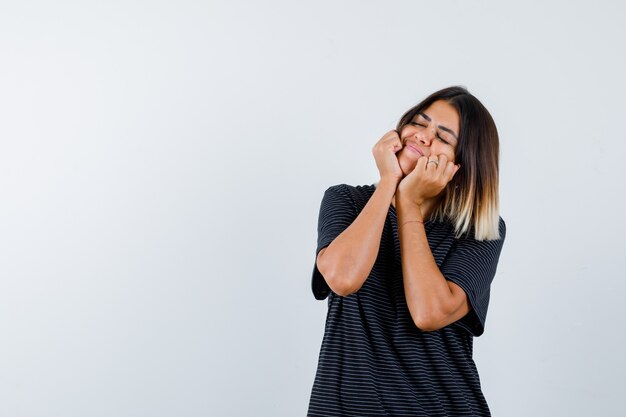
339,281
427,321
424,325
343,286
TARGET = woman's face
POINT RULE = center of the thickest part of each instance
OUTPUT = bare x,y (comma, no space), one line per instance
432,132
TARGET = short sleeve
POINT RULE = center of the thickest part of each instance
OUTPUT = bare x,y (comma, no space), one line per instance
337,212
472,265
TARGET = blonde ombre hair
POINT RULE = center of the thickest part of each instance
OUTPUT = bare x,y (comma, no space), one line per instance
470,200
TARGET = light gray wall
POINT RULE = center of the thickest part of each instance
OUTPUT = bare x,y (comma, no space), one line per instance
162,166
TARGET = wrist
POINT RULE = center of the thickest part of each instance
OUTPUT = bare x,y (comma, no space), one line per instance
409,204
402,223
389,180
409,210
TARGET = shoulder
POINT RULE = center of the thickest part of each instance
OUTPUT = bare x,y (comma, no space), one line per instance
495,230
502,228
472,259
355,193
353,189
467,241
347,198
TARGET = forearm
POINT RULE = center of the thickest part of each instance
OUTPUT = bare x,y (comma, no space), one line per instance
426,290
348,260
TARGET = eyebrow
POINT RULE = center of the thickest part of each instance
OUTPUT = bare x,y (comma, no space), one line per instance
425,116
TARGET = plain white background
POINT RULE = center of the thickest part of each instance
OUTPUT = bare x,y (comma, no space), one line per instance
162,166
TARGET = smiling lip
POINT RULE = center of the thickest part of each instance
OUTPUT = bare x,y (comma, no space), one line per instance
414,148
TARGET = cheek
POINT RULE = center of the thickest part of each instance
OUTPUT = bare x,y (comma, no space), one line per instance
407,160
406,132
447,151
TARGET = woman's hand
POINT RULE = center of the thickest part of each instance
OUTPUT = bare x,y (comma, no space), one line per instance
384,152
427,180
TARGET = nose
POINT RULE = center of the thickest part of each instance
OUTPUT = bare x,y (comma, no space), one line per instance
425,136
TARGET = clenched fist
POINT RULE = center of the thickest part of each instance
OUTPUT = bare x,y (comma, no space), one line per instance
384,152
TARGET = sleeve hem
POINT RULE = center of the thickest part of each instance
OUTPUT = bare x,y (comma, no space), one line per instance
320,287
472,321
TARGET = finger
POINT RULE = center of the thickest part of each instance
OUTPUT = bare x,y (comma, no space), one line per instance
395,143
396,138
390,136
432,164
388,141
393,134
455,169
443,163
421,163
450,169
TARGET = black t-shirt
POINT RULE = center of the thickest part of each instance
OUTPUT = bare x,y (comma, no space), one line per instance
373,360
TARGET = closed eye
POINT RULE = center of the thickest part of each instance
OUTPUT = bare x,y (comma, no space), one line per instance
423,125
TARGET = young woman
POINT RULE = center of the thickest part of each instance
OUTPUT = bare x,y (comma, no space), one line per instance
407,265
